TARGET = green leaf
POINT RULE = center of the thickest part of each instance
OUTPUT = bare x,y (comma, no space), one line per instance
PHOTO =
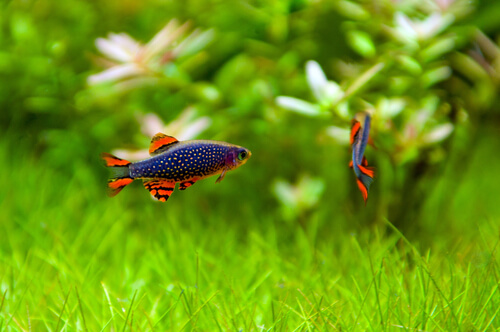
362,43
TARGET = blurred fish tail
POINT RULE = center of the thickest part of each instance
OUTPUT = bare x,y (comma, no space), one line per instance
120,175
365,179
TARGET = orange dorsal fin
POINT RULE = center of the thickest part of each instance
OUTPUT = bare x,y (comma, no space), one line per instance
355,127
160,189
160,142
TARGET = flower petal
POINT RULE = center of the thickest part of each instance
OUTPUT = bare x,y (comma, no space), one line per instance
298,105
115,73
405,26
196,127
163,38
186,126
433,25
193,43
332,92
438,133
316,79
388,108
126,42
113,50
340,135
131,155
151,124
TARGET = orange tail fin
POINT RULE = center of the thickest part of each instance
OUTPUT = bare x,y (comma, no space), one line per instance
120,175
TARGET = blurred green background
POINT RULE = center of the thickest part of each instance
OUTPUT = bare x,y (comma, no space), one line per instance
232,256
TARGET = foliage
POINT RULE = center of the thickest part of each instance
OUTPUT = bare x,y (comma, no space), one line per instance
283,243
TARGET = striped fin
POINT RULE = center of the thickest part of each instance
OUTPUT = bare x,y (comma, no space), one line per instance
364,162
369,171
112,161
365,180
116,185
160,189
186,184
161,142
363,189
120,175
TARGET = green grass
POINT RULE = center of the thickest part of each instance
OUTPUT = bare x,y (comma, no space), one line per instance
72,259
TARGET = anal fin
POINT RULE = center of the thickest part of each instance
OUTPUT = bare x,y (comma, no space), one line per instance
160,189
186,184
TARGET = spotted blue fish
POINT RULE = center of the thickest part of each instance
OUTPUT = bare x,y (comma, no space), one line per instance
173,161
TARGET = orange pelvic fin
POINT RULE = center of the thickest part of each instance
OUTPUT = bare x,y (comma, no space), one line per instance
160,189
161,142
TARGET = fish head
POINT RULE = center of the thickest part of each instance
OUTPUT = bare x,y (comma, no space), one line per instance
237,156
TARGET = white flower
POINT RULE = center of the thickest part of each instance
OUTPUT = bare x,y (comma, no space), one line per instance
116,73
438,133
340,135
325,92
186,126
298,105
388,108
408,30
129,58
119,47
298,197
444,4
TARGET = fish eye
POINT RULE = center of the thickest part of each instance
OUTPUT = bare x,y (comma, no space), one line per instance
242,155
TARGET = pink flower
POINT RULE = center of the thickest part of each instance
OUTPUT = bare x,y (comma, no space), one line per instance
128,59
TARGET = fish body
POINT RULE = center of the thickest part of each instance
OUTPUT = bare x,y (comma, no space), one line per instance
173,161
359,139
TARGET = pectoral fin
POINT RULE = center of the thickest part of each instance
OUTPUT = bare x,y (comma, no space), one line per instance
221,177
160,189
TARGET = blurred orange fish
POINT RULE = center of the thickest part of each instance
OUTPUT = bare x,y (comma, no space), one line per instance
359,139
